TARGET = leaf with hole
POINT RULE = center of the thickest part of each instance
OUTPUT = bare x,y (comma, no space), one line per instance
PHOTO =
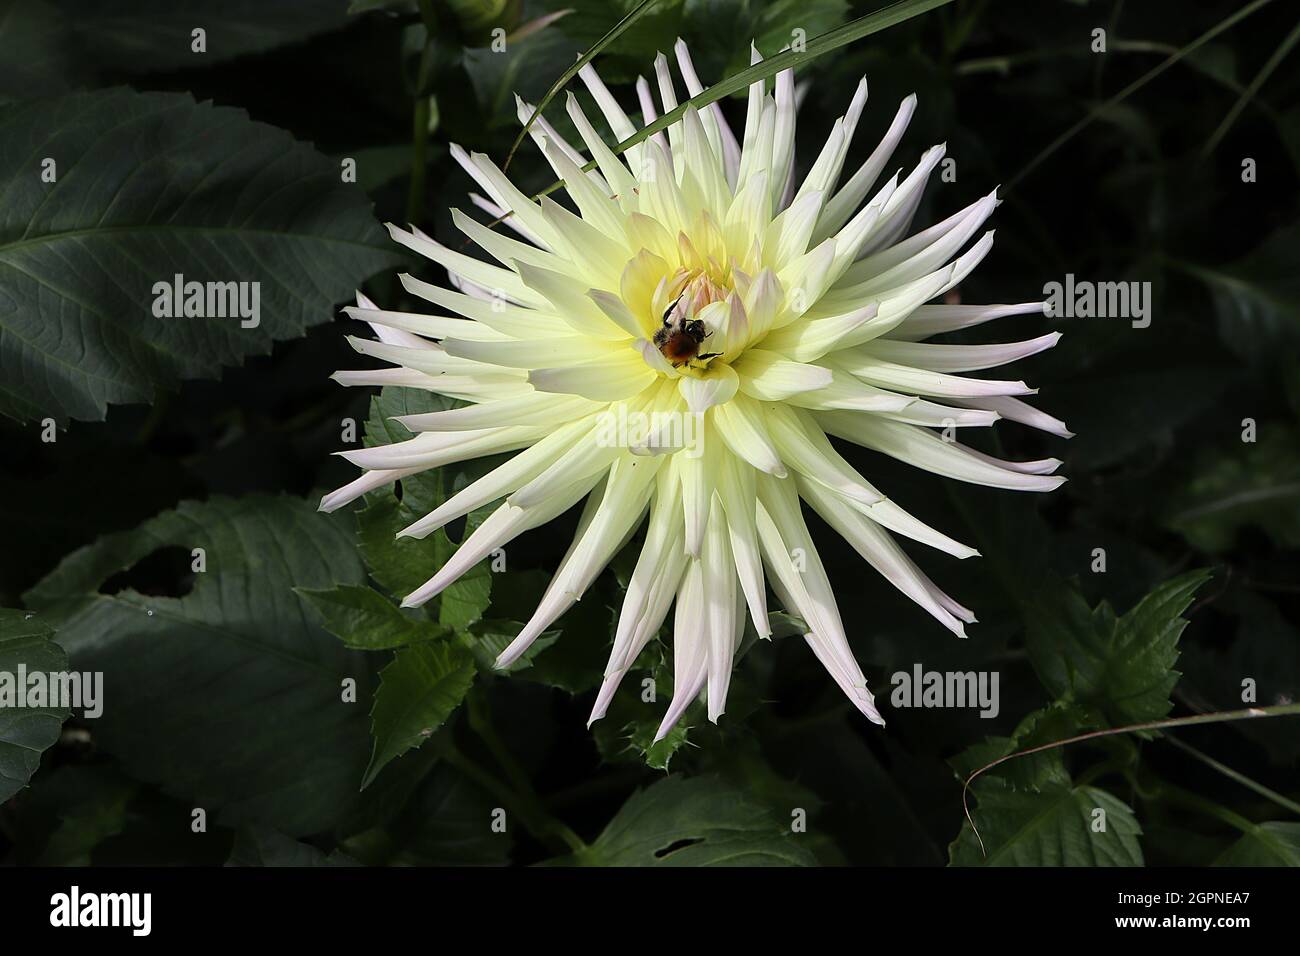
697,821
230,696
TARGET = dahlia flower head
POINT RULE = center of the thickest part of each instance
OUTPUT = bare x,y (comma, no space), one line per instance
682,345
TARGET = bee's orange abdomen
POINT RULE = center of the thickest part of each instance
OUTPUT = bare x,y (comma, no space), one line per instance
680,347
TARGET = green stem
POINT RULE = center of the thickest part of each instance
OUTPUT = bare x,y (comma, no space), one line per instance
534,820
1247,713
1249,92
420,116
1285,802
480,721
1097,771
1192,801
1136,85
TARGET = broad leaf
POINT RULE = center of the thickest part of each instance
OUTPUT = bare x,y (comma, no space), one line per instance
37,55
1267,844
1247,484
149,186
1058,825
25,732
230,696
1032,771
91,804
449,823
262,846
1257,298
363,618
1123,667
139,36
486,639
417,693
698,821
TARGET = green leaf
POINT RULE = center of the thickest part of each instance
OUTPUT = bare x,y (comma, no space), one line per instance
37,52
521,69
25,732
417,693
150,186
400,565
657,753
1267,844
1262,645
1034,771
1122,667
486,640
229,696
363,618
1055,826
1243,484
448,823
262,846
698,821
91,805
1257,298
464,602
138,36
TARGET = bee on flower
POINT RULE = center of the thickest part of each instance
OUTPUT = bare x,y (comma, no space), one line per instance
695,276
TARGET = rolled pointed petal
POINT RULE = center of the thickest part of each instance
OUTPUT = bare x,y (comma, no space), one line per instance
926,450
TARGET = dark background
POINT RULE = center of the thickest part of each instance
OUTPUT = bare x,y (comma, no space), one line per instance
1158,474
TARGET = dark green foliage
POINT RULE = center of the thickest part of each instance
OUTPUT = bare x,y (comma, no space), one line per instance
282,691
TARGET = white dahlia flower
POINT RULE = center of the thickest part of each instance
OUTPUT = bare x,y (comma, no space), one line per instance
683,345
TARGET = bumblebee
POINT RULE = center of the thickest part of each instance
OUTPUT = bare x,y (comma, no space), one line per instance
679,339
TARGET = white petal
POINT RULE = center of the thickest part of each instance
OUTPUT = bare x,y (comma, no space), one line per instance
918,381
769,377
535,409
931,320
842,205
607,527
804,447
502,480
499,528
958,358
928,451
605,380
879,550
807,590
717,386
720,607
742,425
1015,410
367,483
